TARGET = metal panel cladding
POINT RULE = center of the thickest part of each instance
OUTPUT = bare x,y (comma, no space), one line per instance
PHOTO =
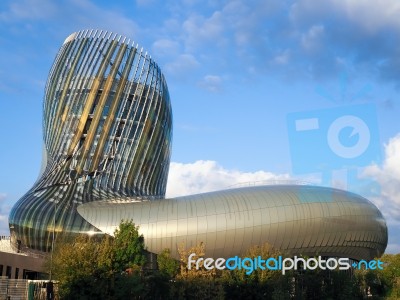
107,129
294,219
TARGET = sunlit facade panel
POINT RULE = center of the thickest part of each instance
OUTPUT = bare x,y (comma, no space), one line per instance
107,128
332,223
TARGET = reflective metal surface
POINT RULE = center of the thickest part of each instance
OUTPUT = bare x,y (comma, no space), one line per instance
107,133
295,219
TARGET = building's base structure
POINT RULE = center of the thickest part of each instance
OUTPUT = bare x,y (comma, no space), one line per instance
15,265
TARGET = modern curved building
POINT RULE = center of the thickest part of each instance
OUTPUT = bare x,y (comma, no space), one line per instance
107,137
107,126
296,219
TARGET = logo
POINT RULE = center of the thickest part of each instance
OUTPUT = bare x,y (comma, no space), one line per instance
359,130
332,139
280,264
336,144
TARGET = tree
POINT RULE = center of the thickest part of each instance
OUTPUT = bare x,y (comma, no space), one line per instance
77,265
390,274
100,268
128,258
193,283
192,271
166,264
259,283
128,248
383,282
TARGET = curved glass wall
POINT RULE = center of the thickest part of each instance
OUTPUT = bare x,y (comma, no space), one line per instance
107,128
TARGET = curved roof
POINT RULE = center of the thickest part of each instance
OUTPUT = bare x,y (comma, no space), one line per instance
295,219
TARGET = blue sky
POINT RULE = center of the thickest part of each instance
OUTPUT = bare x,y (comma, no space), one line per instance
237,72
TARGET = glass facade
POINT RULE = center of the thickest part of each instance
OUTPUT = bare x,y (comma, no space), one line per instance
107,133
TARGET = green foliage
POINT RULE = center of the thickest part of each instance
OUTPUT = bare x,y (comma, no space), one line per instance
100,268
390,275
197,288
156,286
166,264
258,275
191,271
112,268
381,283
129,285
128,248
259,283
79,268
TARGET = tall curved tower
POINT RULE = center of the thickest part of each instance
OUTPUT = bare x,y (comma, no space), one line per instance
107,134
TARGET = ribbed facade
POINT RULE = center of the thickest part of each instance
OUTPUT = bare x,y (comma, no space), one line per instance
107,133
295,219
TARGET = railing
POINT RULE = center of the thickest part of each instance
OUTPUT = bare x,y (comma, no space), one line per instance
30,253
5,246
269,182
27,289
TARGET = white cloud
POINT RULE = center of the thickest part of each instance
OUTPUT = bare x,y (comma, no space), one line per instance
78,14
312,38
182,64
388,177
205,176
282,58
199,30
164,47
212,83
92,16
394,236
371,16
393,248
29,10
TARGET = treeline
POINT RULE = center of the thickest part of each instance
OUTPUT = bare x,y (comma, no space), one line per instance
116,268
